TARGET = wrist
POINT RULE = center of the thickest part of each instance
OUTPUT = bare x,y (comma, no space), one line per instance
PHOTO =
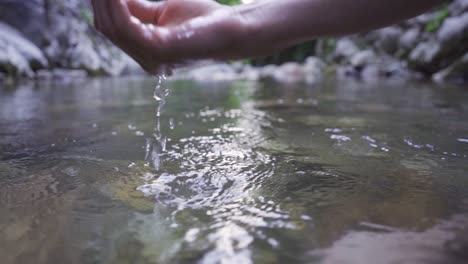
263,35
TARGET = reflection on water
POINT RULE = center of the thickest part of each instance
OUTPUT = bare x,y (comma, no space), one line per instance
252,173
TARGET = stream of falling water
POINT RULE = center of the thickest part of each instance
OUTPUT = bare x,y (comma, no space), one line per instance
156,145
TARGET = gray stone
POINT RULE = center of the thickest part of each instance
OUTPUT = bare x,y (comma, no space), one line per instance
454,31
448,45
30,52
344,72
65,74
267,72
388,39
290,72
458,7
409,38
456,72
18,56
249,73
61,30
363,58
13,63
313,70
371,73
424,56
345,49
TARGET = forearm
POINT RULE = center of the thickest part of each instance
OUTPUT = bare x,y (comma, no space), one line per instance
289,22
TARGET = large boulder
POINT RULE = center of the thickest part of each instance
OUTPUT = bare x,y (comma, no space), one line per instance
345,48
63,30
456,72
444,48
19,56
388,39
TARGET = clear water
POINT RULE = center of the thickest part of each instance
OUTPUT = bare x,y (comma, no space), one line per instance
156,145
342,172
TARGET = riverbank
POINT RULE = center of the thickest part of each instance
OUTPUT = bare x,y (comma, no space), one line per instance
58,41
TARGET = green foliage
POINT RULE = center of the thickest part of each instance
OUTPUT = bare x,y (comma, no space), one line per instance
436,23
229,2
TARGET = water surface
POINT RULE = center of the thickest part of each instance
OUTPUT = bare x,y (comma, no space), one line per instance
341,172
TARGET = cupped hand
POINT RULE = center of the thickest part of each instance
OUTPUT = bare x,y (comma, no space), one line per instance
158,34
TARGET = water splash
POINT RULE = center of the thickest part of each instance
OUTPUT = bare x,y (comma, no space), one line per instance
157,145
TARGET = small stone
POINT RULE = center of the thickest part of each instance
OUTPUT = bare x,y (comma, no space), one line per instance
410,38
345,49
363,59
388,39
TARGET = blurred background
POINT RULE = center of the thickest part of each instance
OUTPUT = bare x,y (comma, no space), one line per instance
55,38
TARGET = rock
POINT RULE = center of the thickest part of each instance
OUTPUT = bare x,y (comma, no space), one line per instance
443,49
131,67
313,70
454,31
370,73
363,58
424,57
456,72
458,7
290,72
18,56
63,31
26,48
395,70
249,73
345,49
60,74
343,72
12,63
211,72
409,38
267,72
65,74
388,39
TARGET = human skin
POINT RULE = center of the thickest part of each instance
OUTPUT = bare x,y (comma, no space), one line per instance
158,34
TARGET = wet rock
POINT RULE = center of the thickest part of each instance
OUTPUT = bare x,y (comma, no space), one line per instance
211,72
12,63
313,70
447,46
18,56
409,38
345,49
458,7
250,73
388,39
343,72
424,57
371,73
63,30
60,74
363,58
454,31
456,72
267,72
290,72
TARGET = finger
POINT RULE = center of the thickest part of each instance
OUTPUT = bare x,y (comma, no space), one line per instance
105,21
145,11
96,16
131,35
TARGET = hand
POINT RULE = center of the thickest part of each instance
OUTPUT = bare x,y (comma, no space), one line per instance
158,34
